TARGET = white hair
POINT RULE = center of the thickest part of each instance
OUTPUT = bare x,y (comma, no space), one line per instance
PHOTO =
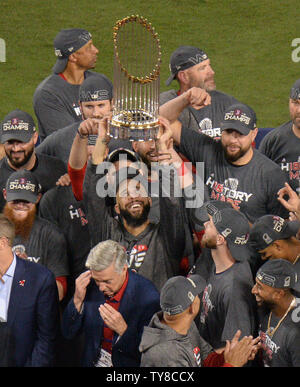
104,254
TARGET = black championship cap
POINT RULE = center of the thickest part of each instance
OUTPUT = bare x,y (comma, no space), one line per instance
279,274
130,155
235,228
65,43
239,117
295,90
179,292
201,215
17,125
270,228
22,185
183,58
96,87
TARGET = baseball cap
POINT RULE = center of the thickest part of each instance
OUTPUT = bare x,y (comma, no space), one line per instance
295,90
239,117
22,185
179,292
183,58
201,215
270,228
279,273
17,125
65,43
96,87
115,155
235,228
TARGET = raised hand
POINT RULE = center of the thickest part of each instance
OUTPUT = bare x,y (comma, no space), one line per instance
113,319
81,284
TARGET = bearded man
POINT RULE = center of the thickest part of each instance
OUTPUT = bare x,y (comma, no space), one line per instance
19,138
36,239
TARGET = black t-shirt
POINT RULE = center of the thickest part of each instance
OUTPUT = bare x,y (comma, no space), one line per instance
228,305
252,187
56,104
59,206
59,143
283,348
206,120
46,246
46,169
283,147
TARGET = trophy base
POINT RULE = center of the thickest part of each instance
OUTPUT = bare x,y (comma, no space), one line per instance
134,126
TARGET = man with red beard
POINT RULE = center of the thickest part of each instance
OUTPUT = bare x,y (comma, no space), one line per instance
36,239
19,137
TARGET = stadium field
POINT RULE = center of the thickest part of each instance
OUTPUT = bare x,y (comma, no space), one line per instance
250,44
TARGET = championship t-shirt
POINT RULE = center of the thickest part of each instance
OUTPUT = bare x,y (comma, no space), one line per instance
283,147
252,187
282,348
207,119
228,305
45,246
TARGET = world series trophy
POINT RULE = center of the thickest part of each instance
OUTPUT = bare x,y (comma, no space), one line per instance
137,60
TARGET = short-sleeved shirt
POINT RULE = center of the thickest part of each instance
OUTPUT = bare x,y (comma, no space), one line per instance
251,187
45,246
56,104
283,147
206,120
228,305
59,143
46,169
59,206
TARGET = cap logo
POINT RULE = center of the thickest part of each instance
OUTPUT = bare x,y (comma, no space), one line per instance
57,52
15,124
266,279
278,224
191,296
94,96
241,240
22,184
192,282
267,238
237,115
198,58
287,282
226,232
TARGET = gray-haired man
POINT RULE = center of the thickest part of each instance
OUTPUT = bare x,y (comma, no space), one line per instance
111,305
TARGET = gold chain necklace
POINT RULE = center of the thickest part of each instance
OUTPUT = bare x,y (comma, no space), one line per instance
269,333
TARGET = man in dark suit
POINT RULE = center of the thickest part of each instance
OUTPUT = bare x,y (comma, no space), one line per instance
111,305
28,304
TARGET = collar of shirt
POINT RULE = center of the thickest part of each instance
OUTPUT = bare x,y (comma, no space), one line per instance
11,270
118,296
